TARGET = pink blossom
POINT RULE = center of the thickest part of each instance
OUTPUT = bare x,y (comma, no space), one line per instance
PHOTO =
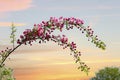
34,24
64,39
21,36
40,31
47,37
73,45
60,18
27,31
71,21
18,41
79,22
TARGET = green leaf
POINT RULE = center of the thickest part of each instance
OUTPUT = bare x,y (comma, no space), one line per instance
11,36
87,35
77,60
12,41
6,72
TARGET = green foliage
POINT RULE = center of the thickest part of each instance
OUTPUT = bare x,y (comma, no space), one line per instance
12,36
6,73
108,73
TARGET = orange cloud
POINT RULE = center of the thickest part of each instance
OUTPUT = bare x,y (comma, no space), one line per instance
14,5
8,24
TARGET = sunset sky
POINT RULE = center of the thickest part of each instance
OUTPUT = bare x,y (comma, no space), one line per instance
49,61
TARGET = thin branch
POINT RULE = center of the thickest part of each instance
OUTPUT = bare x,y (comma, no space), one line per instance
9,54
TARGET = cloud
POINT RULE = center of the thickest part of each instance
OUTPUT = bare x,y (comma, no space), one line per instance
8,24
14,5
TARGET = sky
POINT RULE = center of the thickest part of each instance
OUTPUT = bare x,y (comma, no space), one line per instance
49,61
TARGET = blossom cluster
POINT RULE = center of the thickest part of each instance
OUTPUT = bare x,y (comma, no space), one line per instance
45,28
42,32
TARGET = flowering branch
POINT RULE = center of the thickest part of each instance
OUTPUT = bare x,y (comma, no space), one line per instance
43,32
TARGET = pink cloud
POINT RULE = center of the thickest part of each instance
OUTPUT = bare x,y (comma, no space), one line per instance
14,5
